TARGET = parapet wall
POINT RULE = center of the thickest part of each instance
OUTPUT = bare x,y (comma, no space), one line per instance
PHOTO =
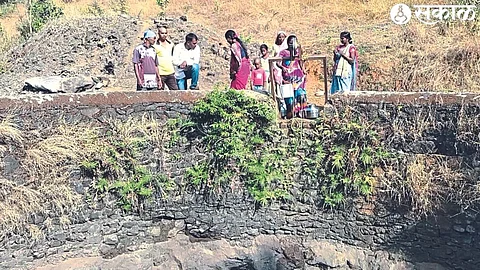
449,238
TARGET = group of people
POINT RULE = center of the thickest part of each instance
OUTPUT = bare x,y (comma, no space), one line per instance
289,74
158,62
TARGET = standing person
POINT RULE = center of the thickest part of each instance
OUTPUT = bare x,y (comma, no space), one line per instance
186,60
345,68
164,49
293,77
239,64
264,55
258,77
280,45
145,63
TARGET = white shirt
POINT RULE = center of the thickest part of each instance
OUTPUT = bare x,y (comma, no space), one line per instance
180,54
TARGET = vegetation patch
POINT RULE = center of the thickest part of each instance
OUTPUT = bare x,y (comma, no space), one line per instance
117,167
39,13
111,156
247,149
241,136
344,156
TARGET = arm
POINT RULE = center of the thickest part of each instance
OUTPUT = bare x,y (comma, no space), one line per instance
251,79
280,64
300,59
136,66
236,52
137,74
159,79
264,80
177,59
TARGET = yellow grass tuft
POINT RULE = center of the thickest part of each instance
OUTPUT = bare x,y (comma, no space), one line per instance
9,130
67,147
17,202
430,181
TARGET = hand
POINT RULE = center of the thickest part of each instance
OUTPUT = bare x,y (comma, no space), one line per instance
140,81
159,86
183,65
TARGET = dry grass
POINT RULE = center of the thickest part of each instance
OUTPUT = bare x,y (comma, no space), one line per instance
9,133
420,58
429,182
48,164
17,202
56,153
10,130
135,130
50,161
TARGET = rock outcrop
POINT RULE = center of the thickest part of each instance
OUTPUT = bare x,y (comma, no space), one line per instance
264,252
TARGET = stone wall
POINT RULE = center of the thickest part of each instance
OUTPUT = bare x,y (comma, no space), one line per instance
448,237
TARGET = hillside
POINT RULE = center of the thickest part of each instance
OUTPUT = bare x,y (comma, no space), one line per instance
93,44
415,57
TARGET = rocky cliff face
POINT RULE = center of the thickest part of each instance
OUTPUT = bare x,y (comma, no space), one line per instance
264,252
230,233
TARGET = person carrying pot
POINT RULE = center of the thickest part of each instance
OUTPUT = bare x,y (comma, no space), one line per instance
293,78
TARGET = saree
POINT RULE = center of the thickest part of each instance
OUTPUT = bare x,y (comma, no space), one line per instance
277,72
344,73
242,67
294,75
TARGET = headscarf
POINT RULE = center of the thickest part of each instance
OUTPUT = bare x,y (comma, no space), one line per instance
284,44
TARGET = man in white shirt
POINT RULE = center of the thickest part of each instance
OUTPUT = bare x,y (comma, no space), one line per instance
186,60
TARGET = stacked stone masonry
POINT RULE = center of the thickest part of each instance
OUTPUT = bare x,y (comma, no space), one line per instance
450,238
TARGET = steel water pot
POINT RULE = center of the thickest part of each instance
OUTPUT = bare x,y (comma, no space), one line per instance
311,112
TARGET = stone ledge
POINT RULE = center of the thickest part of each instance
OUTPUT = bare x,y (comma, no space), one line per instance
98,98
186,96
420,98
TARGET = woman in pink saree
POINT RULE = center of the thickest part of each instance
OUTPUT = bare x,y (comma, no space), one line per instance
239,63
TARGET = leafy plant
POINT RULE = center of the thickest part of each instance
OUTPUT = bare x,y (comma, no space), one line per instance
40,12
116,167
95,9
343,156
238,132
163,5
120,6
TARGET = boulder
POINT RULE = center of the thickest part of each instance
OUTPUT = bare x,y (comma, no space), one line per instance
58,84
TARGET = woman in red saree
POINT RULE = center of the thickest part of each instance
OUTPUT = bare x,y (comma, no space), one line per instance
239,63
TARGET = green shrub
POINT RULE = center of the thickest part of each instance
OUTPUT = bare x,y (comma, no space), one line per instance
238,132
163,5
343,156
95,9
41,12
116,167
120,6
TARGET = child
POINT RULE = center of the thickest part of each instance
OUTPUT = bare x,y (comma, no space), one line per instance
264,55
258,77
